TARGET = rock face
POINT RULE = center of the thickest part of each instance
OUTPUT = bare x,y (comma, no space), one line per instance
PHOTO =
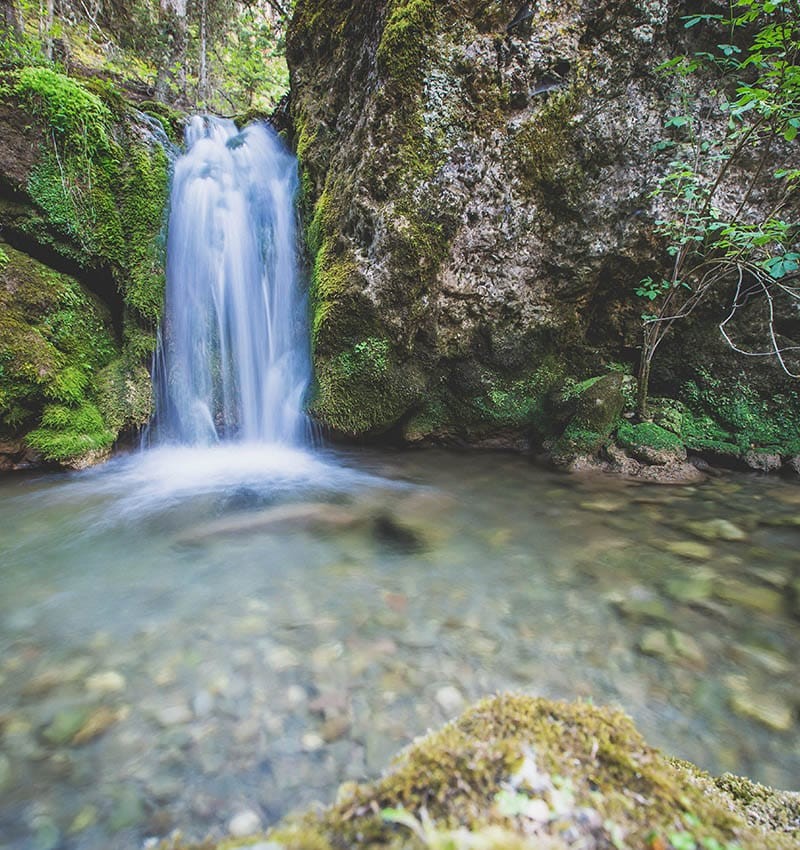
479,213
83,187
519,773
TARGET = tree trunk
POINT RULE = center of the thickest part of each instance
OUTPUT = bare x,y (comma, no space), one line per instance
12,19
643,385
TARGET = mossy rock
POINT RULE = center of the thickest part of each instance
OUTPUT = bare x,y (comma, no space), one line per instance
650,443
527,773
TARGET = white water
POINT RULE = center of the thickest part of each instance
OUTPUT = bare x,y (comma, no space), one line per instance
234,364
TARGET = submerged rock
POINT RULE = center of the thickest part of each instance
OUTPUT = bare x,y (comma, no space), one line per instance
520,773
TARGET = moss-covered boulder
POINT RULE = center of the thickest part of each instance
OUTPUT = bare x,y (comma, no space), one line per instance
478,202
519,773
83,189
650,443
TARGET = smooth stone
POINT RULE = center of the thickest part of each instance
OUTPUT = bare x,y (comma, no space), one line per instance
127,811
85,818
202,704
603,505
648,610
104,684
46,835
174,715
65,726
164,788
690,549
450,700
55,677
334,729
696,587
765,707
716,529
6,776
312,742
98,723
672,646
767,659
244,823
754,597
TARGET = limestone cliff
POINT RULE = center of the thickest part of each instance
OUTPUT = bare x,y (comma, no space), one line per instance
479,217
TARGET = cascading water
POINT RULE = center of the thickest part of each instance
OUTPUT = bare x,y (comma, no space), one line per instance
234,362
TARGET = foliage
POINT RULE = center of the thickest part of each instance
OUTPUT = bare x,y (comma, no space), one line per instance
730,216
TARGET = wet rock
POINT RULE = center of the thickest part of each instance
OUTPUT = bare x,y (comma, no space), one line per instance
313,516
98,723
754,597
763,461
6,776
66,724
312,742
46,835
603,505
672,646
103,684
450,700
164,787
690,549
767,659
645,609
48,680
716,529
86,817
176,714
766,707
695,587
127,809
334,729
379,749
244,823
202,704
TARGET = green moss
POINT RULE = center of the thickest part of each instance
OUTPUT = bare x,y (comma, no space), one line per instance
363,390
403,45
632,436
171,120
70,432
451,790
730,417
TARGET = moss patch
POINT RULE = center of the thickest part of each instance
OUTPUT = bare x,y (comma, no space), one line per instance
476,783
55,340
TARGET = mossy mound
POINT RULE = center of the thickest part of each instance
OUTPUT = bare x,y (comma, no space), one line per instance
83,188
57,351
521,772
651,443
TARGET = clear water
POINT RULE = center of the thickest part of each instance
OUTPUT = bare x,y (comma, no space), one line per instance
276,622
234,360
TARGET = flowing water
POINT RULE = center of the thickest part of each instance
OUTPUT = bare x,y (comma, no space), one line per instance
226,626
193,634
234,363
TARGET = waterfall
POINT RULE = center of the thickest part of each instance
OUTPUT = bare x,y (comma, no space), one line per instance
233,363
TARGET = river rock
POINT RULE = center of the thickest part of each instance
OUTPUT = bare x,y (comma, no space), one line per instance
766,707
244,823
767,659
98,723
648,609
5,772
716,529
694,587
754,597
672,646
65,725
450,700
176,714
46,835
103,684
85,818
127,810
691,549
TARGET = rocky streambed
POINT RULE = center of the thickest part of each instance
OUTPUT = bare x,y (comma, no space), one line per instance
210,654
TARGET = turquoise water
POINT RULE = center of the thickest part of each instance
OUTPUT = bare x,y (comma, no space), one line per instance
188,637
